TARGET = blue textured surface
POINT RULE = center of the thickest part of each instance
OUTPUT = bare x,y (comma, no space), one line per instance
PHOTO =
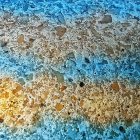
62,10
99,69
74,130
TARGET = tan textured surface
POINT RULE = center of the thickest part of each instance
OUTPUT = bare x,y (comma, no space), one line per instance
58,42
22,106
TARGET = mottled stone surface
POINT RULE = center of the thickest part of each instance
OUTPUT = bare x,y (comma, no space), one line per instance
69,70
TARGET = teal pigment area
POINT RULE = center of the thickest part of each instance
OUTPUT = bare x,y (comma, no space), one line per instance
95,68
61,10
77,129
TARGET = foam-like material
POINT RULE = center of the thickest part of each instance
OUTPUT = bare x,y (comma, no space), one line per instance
69,69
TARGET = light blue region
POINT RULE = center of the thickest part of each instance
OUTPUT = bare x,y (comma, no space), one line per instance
97,68
62,10
16,66
78,129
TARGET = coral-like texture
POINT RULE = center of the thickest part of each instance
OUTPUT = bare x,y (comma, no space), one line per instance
69,69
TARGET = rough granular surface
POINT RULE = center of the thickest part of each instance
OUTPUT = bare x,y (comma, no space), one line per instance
69,70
